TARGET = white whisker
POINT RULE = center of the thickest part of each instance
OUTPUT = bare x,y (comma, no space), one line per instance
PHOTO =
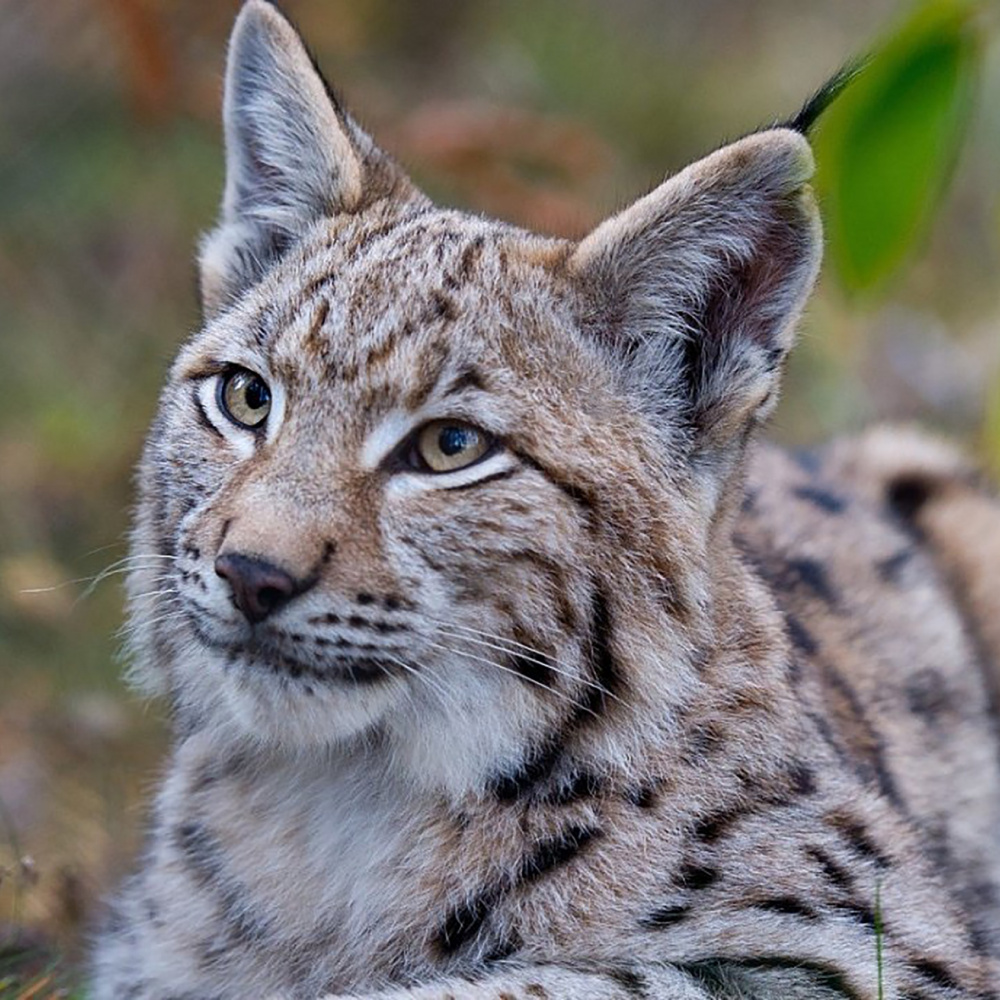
514,673
540,658
422,674
113,570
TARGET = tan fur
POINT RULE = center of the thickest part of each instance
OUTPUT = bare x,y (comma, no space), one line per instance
630,706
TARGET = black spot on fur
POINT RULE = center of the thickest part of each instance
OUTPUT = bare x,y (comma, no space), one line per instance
536,765
504,949
203,857
908,494
835,873
928,697
643,796
808,460
703,740
694,875
470,255
713,827
666,916
936,973
861,912
605,676
580,786
632,982
825,500
812,575
555,852
605,681
860,840
828,978
462,924
865,749
787,905
802,639
200,852
800,575
442,307
890,570
798,781
216,769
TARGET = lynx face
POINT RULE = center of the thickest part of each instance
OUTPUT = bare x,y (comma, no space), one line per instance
397,470
355,528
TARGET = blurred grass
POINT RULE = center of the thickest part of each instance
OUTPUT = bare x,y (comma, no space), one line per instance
550,113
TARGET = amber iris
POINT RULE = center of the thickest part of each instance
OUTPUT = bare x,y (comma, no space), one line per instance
447,445
245,398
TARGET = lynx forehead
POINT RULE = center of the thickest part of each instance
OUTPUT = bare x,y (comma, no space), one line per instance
504,663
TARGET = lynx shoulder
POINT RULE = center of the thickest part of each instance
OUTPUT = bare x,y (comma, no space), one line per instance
504,661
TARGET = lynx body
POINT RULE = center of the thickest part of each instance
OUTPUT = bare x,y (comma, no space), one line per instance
504,662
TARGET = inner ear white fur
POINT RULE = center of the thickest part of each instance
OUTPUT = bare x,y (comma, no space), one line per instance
697,286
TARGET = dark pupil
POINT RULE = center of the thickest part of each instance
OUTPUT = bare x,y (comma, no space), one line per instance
452,440
256,394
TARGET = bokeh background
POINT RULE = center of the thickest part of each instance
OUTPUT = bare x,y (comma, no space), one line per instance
550,113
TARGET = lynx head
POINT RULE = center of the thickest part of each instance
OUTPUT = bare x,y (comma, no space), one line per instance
434,481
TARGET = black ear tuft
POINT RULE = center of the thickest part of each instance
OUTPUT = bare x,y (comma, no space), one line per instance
811,111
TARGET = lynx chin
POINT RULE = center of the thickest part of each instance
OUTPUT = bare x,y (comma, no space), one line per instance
505,662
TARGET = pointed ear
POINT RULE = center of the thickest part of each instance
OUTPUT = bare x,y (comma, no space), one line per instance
696,287
293,156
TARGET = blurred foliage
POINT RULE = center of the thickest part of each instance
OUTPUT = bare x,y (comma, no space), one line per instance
885,148
551,113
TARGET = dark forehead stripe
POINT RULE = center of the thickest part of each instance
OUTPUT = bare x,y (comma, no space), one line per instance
467,378
470,257
401,233
431,367
314,343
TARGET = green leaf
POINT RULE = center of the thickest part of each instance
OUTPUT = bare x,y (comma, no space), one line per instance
991,431
886,147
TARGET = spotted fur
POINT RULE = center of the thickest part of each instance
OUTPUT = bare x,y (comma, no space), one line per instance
630,707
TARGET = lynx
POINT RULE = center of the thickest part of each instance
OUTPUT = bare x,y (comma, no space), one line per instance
505,663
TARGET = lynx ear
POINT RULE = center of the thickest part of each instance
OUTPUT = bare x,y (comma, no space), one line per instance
293,156
697,287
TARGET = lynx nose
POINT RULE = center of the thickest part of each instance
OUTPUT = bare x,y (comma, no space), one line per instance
259,588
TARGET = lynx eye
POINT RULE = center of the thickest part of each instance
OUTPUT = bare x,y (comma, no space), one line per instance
244,397
446,445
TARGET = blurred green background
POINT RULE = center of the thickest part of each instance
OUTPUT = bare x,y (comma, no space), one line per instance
550,113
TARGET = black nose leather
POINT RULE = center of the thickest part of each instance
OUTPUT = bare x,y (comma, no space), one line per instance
258,587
